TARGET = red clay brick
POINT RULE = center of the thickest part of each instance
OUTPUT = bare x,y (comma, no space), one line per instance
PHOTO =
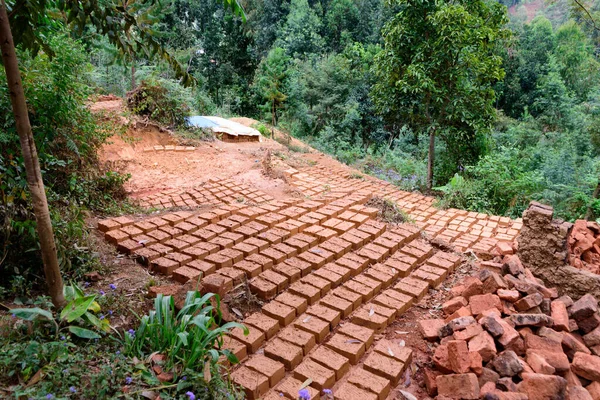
384,366
313,259
116,236
280,280
236,347
261,244
298,302
284,352
322,377
254,384
263,288
290,387
368,381
273,370
236,275
311,324
361,333
204,267
298,337
283,313
164,265
349,391
265,262
251,269
357,287
322,284
184,274
336,303
309,292
291,273
351,348
266,324
344,272
333,278
304,267
332,360
253,341
299,245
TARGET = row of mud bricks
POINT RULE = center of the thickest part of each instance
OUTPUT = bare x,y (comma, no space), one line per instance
339,277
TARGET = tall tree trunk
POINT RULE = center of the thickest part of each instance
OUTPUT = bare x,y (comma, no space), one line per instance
32,164
589,212
273,122
133,75
431,159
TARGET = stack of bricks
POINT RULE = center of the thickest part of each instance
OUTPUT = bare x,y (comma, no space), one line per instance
507,336
161,148
212,193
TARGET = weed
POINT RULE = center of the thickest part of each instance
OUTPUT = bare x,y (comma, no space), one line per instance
389,211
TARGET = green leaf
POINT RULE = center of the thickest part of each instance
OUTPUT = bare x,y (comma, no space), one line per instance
83,333
29,314
76,308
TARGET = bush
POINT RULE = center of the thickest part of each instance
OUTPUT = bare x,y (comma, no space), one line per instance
162,100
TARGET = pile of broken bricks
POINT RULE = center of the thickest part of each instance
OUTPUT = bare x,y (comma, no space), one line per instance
508,337
584,246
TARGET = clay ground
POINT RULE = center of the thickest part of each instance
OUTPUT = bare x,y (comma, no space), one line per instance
335,292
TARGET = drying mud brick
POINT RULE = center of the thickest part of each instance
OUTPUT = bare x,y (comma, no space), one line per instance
254,383
458,386
332,360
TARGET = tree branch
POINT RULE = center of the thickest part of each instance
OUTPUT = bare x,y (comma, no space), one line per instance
588,14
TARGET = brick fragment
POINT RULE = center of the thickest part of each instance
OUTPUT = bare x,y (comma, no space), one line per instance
458,386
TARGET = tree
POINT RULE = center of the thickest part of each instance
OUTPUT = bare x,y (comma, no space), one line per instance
299,36
436,70
270,81
29,19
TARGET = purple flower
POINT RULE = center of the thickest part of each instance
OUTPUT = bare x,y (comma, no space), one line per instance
86,284
62,338
102,293
49,396
118,352
131,332
72,389
327,391
128,380
190,395
113,286
101,316
304,394
13,315
110,312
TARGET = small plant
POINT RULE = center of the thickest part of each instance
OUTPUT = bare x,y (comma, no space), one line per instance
356,175
389,211
190,337
77,316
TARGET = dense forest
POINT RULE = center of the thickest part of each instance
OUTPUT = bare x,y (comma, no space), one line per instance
312,68
484,104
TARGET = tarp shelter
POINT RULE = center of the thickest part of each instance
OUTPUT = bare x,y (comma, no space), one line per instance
226,130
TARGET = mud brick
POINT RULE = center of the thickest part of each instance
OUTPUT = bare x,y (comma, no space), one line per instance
160,249
372,283
280,280
197,222
390,302
361,333
341,243
229,224
298,303
128,246
236,275
304,267
253,341
383,252
389,348
351,348
235,255
288,354
169,230
364,262
423,275
325,234
412,287
177,244
185,274
157,221
384,279
110,225
330,314
332,360
210,247
355,241
145,255
253,383
274,255
186,227
308,220
270,219
364,317
418,249
259,243
222,242
215,228
290,387
144,226
273,370
359,288
354,267
315,260
172,219
263,288
116,236
250,268
309,292
164,265
291,273
322,284
347,215
246,232
285,249
355,298
190,239
299,245
289,226
269,326
218,284
311,240
265,262
403,265
197,253
384,269
371,232
333,278
204,234
270,237
236,347
283,313
331,223
257,226
181,258
123,221
344,272
384,366
236,237
321,376
343,306
144,240
440,272
298,337
219,260
349,391
387,312
370,382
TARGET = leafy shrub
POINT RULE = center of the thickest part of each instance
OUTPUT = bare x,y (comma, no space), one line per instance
162,100
189,337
